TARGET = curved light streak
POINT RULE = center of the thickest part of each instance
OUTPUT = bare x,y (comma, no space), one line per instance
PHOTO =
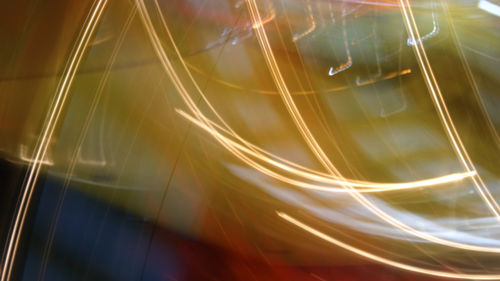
383,260
46,137
316,149
440,105
260,154
292,108
209,126
470,76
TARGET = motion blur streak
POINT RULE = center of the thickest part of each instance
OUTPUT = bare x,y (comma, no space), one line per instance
440,105
239,139
312,23
260,154
489,7
45,139
337,180
304,130
446,119
367,255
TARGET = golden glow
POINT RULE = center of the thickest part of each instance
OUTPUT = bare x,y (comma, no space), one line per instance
227,111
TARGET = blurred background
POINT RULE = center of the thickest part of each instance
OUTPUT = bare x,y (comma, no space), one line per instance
250,140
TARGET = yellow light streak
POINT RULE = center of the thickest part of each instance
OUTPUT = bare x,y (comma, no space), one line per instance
46,137
283,90
270,17
470,76
194,109
383,260
260,154
285,93
318,152
442,110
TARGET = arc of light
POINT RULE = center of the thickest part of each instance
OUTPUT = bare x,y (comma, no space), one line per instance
192,106
470,76
197,113
383,260
48,130
284,92
442,110
256,152
314,146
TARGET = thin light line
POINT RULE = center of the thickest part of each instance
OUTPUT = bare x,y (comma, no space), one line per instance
44,141
383,260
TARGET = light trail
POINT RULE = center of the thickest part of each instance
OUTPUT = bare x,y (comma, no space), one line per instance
442,110
383,260
46,137
270,60
388,76
269,18
76,155
470,76
312,22
370,206
285,93
200,116
316,149
260,154
434,32
332,71
251,154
